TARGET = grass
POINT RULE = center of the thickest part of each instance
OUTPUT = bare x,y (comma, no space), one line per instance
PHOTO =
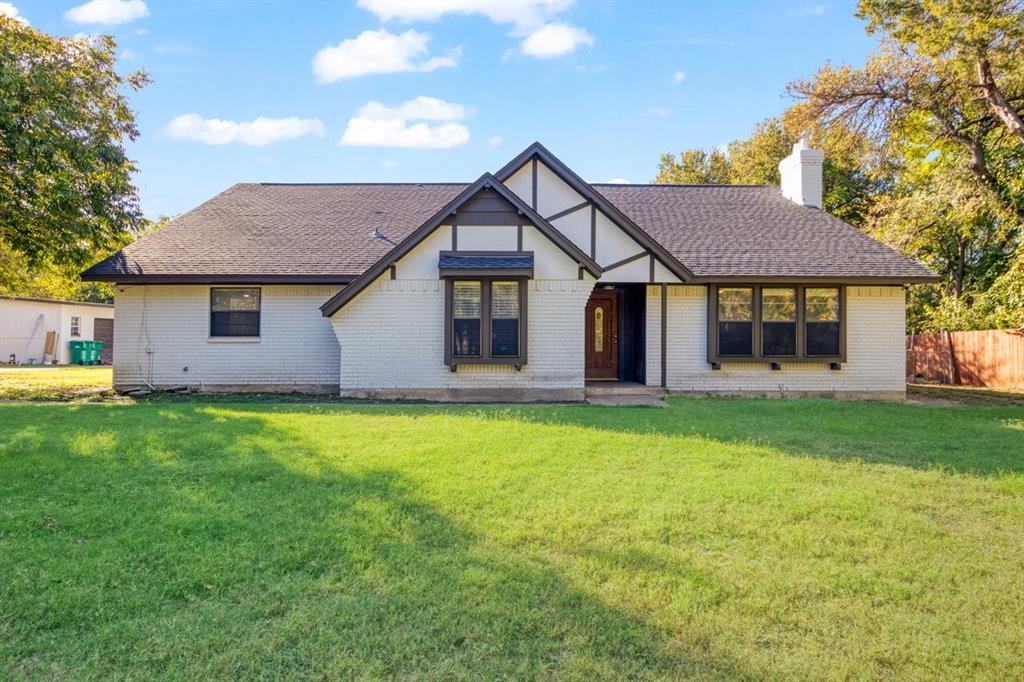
62,382
714,539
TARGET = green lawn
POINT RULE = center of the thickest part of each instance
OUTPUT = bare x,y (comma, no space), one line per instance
53,383
717,538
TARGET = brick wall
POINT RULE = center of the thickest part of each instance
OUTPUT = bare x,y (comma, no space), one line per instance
874,338
392,338
297,348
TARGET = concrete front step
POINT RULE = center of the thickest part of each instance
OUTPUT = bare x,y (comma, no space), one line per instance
606,389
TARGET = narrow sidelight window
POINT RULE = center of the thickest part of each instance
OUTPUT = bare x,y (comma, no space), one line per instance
504,319
235,312
466,308
778,321
76,326
736,321
821,310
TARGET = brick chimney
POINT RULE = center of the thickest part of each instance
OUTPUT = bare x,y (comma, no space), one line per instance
801,174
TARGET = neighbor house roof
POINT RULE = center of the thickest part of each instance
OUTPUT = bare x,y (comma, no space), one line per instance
333,233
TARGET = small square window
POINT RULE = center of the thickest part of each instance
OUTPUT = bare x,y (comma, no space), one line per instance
235,312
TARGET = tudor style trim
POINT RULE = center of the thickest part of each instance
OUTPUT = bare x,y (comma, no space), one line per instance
538,151
485,181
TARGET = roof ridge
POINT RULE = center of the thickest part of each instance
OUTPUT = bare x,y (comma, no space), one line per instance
357,184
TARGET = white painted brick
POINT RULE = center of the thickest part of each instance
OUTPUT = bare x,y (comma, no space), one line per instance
392,337
297,346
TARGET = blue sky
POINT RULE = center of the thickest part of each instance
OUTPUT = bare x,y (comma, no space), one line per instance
439,90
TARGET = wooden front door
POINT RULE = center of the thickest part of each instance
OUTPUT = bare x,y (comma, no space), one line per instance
602,331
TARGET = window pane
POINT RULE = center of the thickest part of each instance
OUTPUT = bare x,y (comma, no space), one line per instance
466,318
823,338
504,319
822,305
735,338
235,323
778,305
778,338
822,328
235,299
736,304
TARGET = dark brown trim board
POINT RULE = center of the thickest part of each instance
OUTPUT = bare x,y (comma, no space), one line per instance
811,279
537,151
571,209
486,181
625,261
758,356
664,336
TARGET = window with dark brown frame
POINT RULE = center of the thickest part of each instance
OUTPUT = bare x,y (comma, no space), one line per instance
821,315
485,321
235,311
776,323
736,321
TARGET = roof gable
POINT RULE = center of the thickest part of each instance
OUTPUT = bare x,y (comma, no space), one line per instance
481,200
537,151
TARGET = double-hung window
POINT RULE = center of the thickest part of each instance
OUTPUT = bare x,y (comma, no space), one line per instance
235,311
776,323
76,326
485,321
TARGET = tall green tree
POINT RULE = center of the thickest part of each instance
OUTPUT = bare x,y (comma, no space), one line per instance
694,167
66,192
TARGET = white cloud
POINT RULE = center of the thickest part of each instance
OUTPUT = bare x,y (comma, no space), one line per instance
555,40
807,11
657,112
9,10
532,20
618,181
258,132
378,52
678,77
110,12
379,125
495,141
524,14
141,31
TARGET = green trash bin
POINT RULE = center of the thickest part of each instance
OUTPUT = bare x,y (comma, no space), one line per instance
78,352
97,348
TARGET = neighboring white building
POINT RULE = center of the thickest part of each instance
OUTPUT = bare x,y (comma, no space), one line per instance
528,284
25,322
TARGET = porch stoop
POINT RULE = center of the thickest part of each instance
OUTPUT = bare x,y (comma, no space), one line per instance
623,393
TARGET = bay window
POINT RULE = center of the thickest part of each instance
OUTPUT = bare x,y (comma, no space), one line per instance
776,323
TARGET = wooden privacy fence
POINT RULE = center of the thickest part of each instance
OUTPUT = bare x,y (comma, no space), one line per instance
993,357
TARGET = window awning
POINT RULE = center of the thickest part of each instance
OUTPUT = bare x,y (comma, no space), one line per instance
486,264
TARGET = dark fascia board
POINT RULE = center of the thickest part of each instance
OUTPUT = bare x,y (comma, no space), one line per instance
884,280
487,180
583,188
141,278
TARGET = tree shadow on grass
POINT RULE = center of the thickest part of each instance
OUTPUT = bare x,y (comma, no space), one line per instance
189,543
973,440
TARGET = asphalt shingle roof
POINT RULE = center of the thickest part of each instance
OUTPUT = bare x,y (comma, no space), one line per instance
280,230
754,231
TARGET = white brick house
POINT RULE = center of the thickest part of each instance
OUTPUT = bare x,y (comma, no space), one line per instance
528,284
